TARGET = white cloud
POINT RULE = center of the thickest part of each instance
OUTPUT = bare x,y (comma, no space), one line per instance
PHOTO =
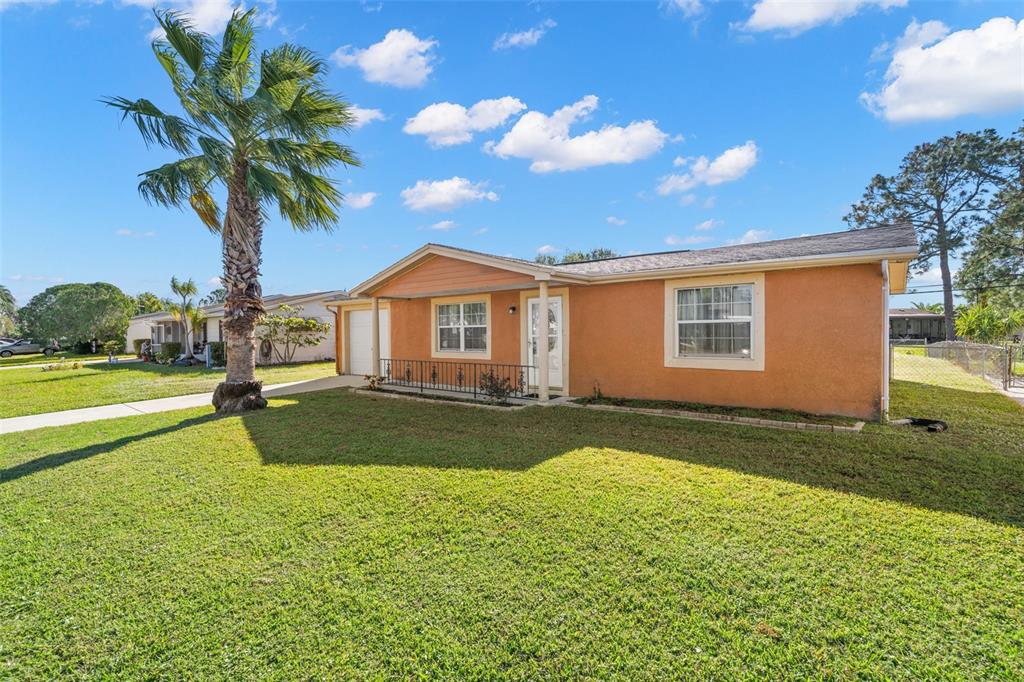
445,124
916,35
480,231
679,161
363,116
750,236
524,39
546,141
213,281
794,17
689,8
400,59
673,240
35,278
445,195
730,165
5,4
612,220
359,200
708,225
443,225
935,74
547,250
134,234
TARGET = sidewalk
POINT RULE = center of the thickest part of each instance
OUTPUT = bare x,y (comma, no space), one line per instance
181,402
84,362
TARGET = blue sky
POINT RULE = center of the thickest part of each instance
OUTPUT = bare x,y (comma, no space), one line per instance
679,125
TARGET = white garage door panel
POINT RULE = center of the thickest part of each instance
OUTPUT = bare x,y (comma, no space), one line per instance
359,327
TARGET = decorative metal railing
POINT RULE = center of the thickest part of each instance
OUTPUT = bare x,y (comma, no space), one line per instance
479,379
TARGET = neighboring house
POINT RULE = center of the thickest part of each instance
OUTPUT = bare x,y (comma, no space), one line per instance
161,327
796,323
912,324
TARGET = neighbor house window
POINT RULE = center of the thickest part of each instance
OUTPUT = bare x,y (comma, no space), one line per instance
715,321
462,327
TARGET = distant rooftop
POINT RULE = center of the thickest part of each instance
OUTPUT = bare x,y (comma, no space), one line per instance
889,237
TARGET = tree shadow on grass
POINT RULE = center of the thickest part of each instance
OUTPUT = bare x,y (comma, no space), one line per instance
960,471
57,459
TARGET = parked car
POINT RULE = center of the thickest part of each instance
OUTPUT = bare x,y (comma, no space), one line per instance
25,347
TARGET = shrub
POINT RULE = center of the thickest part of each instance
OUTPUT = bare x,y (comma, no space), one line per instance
218,353
113,347
497,389
170,350
83,347
137,346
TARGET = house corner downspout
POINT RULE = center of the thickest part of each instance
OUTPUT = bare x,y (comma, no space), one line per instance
886,356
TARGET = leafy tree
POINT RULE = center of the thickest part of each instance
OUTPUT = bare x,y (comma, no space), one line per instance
993,271
77,313
288,331
983,324
184,312
943,189
215,297
148,302
928,307
575,256
8,312
259,126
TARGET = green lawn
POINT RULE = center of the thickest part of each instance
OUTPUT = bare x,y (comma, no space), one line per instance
40,359
33,391
339,536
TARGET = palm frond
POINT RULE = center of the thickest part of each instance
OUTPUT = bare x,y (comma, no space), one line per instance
284,153
289,64
207,210
233,68
174,183
191,45
154,125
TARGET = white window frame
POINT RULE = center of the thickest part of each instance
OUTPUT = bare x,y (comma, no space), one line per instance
754,363
435,349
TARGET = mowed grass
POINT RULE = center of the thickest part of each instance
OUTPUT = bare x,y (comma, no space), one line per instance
33,391
341,536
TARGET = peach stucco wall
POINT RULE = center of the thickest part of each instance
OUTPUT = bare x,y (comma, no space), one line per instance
443,274
823,345
412,337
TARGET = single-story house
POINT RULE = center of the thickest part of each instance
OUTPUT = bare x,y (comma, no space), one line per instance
796,324
161,327
915,324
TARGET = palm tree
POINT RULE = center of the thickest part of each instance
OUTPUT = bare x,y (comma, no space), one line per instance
258,126
936,308
184,313
8,311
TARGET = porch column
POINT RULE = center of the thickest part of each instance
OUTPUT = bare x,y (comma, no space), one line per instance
375,335
542,343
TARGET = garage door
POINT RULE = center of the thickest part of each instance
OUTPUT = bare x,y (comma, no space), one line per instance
359,359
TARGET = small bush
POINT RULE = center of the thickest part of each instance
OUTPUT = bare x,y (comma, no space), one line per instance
83,347
170,350
137,346
218,353
497,389
113,347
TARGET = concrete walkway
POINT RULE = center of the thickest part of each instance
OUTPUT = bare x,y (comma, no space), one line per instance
56,360
181,402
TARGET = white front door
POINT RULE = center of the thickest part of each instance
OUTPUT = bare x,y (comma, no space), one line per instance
360,359
554,341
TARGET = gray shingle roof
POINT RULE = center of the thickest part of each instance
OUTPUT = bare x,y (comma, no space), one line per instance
891,237
271,301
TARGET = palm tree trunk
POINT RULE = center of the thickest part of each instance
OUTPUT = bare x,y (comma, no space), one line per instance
242,239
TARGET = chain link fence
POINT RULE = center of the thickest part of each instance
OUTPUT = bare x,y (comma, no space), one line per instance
956,363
